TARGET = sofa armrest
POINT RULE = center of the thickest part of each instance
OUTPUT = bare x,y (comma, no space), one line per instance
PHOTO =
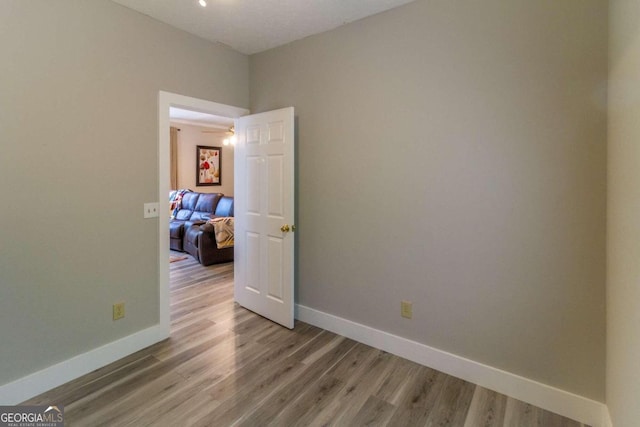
197,222
207,227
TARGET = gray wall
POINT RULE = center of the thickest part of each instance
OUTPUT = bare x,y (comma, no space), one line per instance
79,83
454,154
623,288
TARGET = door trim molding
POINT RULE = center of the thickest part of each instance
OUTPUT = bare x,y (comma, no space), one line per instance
166,100
542,395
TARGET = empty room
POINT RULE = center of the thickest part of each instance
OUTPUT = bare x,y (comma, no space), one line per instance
436,205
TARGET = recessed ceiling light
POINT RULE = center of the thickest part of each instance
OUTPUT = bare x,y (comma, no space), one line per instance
202,3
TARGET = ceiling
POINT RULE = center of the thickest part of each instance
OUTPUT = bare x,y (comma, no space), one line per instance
252,26
178,115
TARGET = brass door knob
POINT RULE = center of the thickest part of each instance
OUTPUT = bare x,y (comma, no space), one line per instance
285,228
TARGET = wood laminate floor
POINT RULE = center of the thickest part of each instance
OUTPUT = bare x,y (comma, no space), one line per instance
224,365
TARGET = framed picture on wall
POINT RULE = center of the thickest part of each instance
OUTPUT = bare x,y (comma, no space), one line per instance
208,166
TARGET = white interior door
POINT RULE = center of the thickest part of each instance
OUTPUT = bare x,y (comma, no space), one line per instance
264,214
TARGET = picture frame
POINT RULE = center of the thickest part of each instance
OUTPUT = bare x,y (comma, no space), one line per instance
208,166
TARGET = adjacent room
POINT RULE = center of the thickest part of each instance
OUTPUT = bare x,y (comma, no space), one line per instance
199,146
467,215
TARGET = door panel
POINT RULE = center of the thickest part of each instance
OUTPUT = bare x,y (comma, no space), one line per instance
253,185
276,249
276,180
264,214
253,262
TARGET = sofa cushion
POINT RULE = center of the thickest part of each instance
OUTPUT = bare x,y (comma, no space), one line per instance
207,203
184,214
189,201
225,207
187,206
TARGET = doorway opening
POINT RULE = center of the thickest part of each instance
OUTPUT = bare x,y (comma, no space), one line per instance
166,101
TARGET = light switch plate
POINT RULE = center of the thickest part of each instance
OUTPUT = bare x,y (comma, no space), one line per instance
151,210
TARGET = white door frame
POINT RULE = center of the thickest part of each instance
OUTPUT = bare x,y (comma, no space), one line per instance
166,100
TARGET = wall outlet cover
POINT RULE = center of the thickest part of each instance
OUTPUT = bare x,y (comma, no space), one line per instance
118,310
406,309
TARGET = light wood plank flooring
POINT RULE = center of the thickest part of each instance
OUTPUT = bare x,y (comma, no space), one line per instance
224,365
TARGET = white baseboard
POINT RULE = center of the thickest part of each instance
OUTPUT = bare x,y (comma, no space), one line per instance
56,375
544,396
550,398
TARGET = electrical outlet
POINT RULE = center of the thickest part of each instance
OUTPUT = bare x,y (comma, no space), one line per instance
151,210
118,310
406,309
